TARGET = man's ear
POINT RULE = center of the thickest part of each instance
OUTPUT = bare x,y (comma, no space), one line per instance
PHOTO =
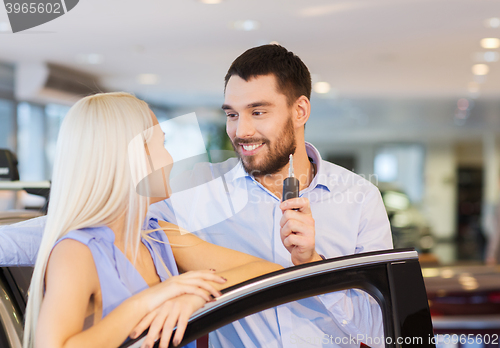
302,110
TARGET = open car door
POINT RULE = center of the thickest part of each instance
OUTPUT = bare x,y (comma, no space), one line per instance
392,277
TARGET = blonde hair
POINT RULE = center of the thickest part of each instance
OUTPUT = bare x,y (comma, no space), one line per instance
92,179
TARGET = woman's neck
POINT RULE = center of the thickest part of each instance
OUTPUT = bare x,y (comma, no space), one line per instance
119,227
140,258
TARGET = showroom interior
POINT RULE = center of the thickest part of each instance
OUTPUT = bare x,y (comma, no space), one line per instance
406,93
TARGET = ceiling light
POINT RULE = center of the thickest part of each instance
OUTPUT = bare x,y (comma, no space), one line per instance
321,87
490,42
148,79
245,25
480,69
488,57
323,10
210,2
92,58
4,27
492,22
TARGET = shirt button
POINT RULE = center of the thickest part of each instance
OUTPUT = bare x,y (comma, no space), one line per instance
344,322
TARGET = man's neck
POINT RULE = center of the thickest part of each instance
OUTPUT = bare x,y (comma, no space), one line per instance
303,168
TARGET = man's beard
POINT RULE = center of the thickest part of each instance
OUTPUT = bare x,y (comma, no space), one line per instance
277,156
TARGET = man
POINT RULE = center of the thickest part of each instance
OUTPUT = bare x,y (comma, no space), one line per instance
267,92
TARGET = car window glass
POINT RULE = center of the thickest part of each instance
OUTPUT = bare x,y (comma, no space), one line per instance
344,319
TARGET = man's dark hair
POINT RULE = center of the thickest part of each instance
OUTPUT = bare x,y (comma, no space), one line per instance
292,76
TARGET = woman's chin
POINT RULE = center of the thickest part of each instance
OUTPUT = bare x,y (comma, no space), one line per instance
153,200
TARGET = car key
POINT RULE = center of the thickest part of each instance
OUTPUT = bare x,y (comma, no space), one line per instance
291,185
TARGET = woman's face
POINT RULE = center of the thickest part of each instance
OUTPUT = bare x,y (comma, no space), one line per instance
161,162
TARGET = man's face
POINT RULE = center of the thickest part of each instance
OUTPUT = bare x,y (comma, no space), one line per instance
259,124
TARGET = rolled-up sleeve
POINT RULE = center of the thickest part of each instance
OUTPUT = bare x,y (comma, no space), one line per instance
19,243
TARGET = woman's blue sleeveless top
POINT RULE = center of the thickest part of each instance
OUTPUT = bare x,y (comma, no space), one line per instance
118,278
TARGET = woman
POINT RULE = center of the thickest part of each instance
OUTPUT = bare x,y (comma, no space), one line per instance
96,281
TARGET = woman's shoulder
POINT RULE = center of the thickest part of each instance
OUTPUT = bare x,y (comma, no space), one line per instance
75,247
86,235
74,250
77,243
69,255
71,262
71,250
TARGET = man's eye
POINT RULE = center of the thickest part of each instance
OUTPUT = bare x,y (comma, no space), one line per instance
231,115
257,113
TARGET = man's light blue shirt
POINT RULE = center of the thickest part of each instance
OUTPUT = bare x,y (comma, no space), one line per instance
223,204
230,208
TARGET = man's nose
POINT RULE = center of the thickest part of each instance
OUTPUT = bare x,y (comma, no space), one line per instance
245,127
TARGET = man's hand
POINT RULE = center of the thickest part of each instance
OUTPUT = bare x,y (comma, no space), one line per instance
297,230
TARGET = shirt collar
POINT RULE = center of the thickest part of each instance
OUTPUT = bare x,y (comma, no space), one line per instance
237,172
321,176
319,179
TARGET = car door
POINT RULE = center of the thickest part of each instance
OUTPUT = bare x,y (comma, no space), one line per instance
392,277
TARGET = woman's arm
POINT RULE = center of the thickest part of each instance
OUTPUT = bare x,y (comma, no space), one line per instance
71,279
192,253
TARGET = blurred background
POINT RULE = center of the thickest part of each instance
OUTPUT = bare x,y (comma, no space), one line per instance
406,93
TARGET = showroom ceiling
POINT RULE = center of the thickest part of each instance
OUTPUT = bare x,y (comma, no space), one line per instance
365,49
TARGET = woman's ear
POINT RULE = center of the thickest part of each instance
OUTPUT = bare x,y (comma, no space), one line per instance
302,108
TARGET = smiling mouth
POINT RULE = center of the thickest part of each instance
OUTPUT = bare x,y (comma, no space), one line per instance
250,147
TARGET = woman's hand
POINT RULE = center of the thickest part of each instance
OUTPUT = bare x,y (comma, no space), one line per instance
172,302
194,283
172,313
